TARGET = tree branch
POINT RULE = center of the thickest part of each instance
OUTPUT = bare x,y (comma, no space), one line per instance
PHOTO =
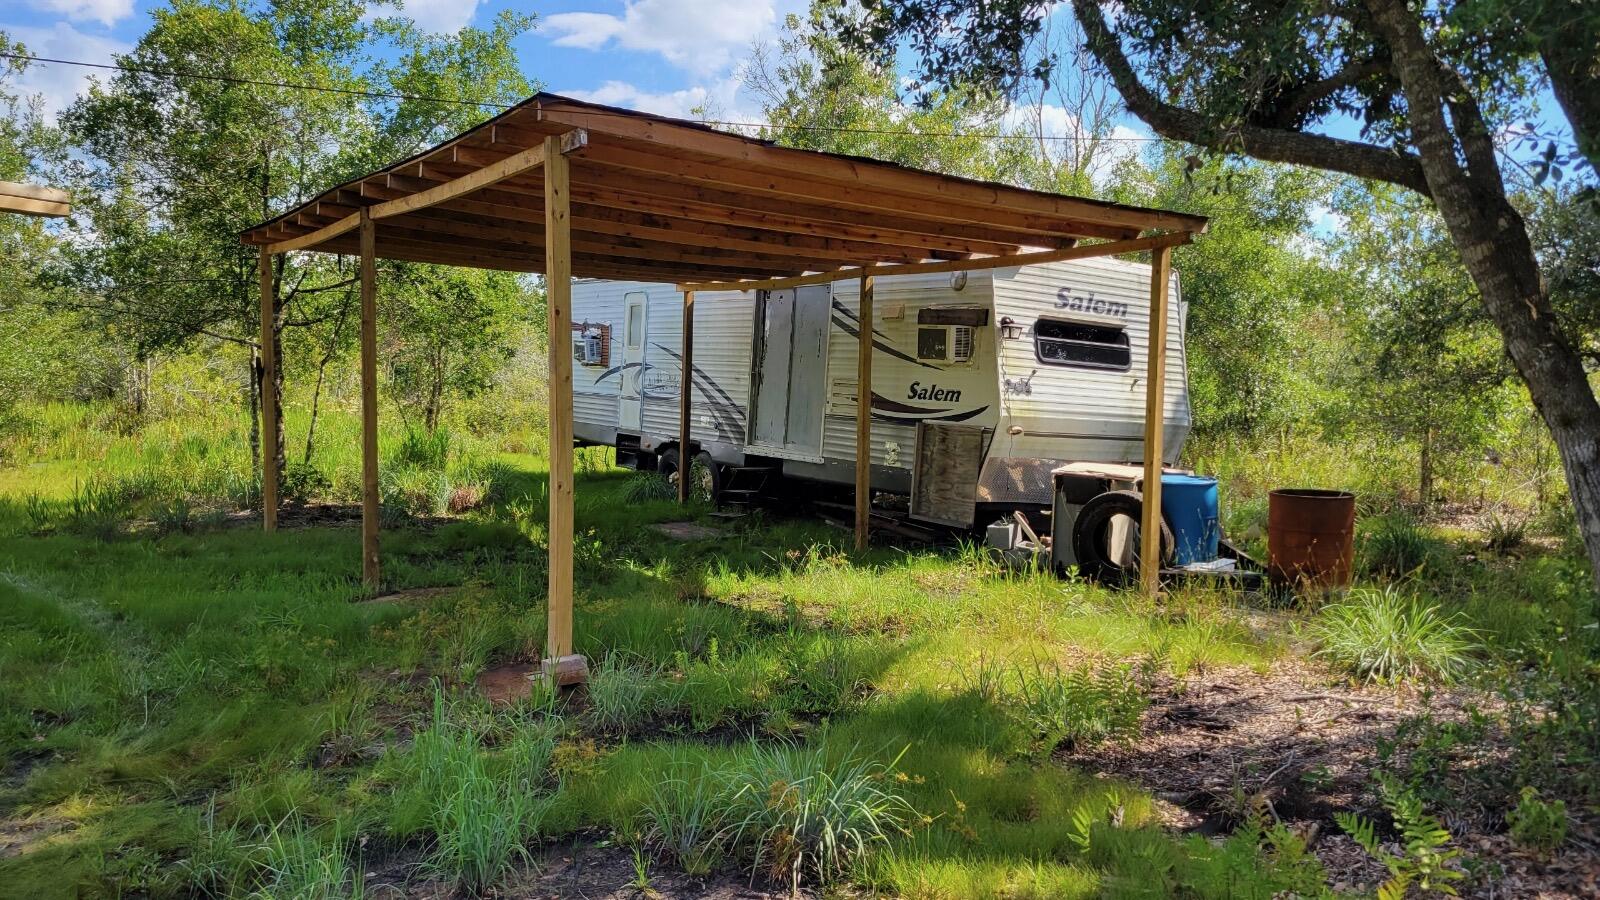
1297,101
1356,158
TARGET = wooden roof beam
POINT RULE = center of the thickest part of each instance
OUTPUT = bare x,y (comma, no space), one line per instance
737,149
1086,251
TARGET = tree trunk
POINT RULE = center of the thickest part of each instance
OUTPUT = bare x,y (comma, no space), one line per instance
252,399
1569,45
1425,473
1493,242
316,402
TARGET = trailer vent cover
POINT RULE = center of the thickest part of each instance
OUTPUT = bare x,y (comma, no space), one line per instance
963,339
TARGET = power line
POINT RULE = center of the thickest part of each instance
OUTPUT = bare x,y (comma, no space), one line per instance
385,95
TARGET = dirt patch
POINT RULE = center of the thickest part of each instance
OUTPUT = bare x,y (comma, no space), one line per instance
1296,746
685,531
602,871
411,596
18,835
508,683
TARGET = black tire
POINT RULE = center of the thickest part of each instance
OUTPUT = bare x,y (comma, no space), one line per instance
707,475
1090,532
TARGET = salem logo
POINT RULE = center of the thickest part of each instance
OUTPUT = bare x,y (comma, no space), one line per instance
1090,304
932,392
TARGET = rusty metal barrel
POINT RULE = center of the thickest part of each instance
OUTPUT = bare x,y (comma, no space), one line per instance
1310,537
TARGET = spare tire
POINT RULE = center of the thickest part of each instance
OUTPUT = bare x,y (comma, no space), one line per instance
1092,530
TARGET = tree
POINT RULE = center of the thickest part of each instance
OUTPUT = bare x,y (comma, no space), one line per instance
227,112
1431,88
1424,362
451,332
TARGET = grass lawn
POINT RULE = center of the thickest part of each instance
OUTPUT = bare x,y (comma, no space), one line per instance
214,711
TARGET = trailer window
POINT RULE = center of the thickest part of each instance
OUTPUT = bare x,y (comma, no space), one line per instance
635,329
1074,344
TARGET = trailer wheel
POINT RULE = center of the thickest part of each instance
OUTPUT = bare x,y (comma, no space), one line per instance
705,476
1092,533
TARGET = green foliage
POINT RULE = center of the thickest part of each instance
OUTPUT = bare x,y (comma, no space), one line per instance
1537,823
1426,859
1081,707
685,815
1387,636
647,487
1394,546
801,812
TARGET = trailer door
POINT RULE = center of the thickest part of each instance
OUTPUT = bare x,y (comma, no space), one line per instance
632,361
790,365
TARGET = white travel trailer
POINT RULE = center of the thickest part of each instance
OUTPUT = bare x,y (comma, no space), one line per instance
983,382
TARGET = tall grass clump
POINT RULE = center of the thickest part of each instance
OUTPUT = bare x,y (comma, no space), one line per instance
648,487
685,815
1386,636
622,694
798,814
1081,706
482,808
1394,546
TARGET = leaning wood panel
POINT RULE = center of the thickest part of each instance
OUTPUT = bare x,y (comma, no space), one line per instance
369,402
1154,422
269,397
466,184
558,303
944,482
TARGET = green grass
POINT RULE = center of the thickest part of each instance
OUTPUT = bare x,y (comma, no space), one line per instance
202,708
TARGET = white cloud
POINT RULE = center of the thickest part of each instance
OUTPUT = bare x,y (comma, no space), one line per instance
106,12
59,84
702,36
1061,127
435,16
717,99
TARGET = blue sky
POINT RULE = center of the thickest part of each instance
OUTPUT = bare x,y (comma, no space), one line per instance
666,56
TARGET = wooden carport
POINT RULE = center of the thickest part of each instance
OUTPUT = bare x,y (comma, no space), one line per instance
568,188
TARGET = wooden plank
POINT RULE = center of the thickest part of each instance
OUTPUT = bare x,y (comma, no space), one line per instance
1154,422
685,392
269,397
591,267
558,303
466,184
311,239
864,412
790,186
760,155
369,401
34,199
1082,251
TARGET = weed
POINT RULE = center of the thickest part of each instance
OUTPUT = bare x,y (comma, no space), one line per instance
423,449
684,816
303,482
1385,636
793,811
1394,546
1425,861
1537,823
624,695
1507,532
1081,707
648,487
175,515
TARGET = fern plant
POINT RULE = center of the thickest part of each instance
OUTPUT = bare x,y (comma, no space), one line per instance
1423,838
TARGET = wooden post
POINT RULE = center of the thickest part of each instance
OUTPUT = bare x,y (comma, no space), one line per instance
685,443
369,401
1154,421
269,398
864,413
561,666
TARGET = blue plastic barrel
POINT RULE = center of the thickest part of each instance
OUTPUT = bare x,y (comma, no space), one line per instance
1189,504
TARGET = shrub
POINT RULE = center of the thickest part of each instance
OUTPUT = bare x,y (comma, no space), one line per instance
1384,636
1536,823
173,515
793,811
1394,546
304,482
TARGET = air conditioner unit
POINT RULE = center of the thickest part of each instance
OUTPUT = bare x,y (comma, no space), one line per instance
588,347
946,344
